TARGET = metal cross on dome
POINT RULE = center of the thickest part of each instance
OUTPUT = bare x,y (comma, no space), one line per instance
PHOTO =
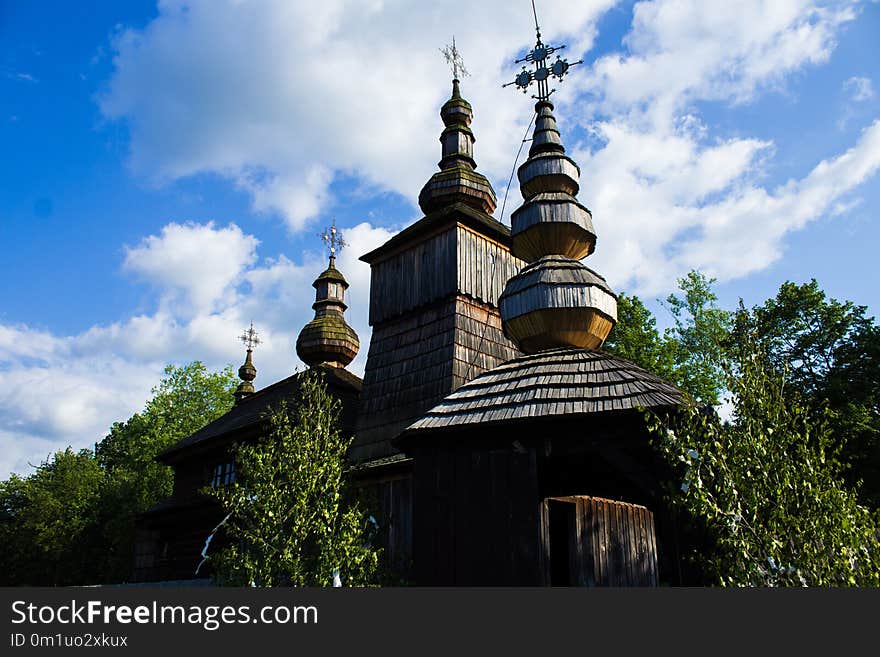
250,338
454,59
544,70
333,239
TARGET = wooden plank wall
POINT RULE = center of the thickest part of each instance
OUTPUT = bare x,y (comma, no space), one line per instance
420,275
458,260
476,517
483,266
610,543
395,524
409,369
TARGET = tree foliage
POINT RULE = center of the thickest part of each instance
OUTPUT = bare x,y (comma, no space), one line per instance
50,528
698,338
72,521
829,352
775,507
690,353
292,518
635,338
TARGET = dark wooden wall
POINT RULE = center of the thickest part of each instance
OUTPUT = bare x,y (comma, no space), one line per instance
458,260
483,266
476,517
591,541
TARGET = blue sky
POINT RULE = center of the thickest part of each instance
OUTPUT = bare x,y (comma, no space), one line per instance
167,167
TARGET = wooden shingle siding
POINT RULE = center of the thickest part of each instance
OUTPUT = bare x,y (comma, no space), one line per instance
557,382
420,275
418,359
483,266
435,323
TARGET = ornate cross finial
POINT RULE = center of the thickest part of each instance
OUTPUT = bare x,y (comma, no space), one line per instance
333,239
453,58
543,69
250,338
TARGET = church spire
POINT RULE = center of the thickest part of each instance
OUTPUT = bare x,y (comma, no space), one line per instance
457,180
555,301
328,339
247,372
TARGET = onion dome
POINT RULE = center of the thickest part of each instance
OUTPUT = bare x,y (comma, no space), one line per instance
247,372
555,301
328,339
457,180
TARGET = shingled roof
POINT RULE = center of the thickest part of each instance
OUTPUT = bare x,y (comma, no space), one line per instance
251,411
557,382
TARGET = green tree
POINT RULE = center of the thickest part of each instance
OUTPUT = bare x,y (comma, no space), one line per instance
72,521
763,485
187,398
699,335
49,528
691,352
292,519
635,338
829,352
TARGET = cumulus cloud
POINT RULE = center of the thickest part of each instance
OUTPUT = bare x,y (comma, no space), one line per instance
281,96
282,101
681,51
196,262
67,390
670,194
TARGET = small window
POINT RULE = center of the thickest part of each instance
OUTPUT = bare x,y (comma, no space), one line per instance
224,474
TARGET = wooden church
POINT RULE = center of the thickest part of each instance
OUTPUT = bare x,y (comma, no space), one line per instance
502,445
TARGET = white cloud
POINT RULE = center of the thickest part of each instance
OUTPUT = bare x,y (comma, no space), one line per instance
668,194
196,262
281,96
860,89
680,51
67,390
663,206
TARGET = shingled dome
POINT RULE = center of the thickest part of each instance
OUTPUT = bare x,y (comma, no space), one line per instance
551,384
328,338
557,302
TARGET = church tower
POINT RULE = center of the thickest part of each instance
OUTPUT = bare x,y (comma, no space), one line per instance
434,292
328,339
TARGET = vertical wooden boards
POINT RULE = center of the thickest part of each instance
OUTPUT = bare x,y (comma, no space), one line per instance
423,273
484,266
394,516
499,516
525,521
610,544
